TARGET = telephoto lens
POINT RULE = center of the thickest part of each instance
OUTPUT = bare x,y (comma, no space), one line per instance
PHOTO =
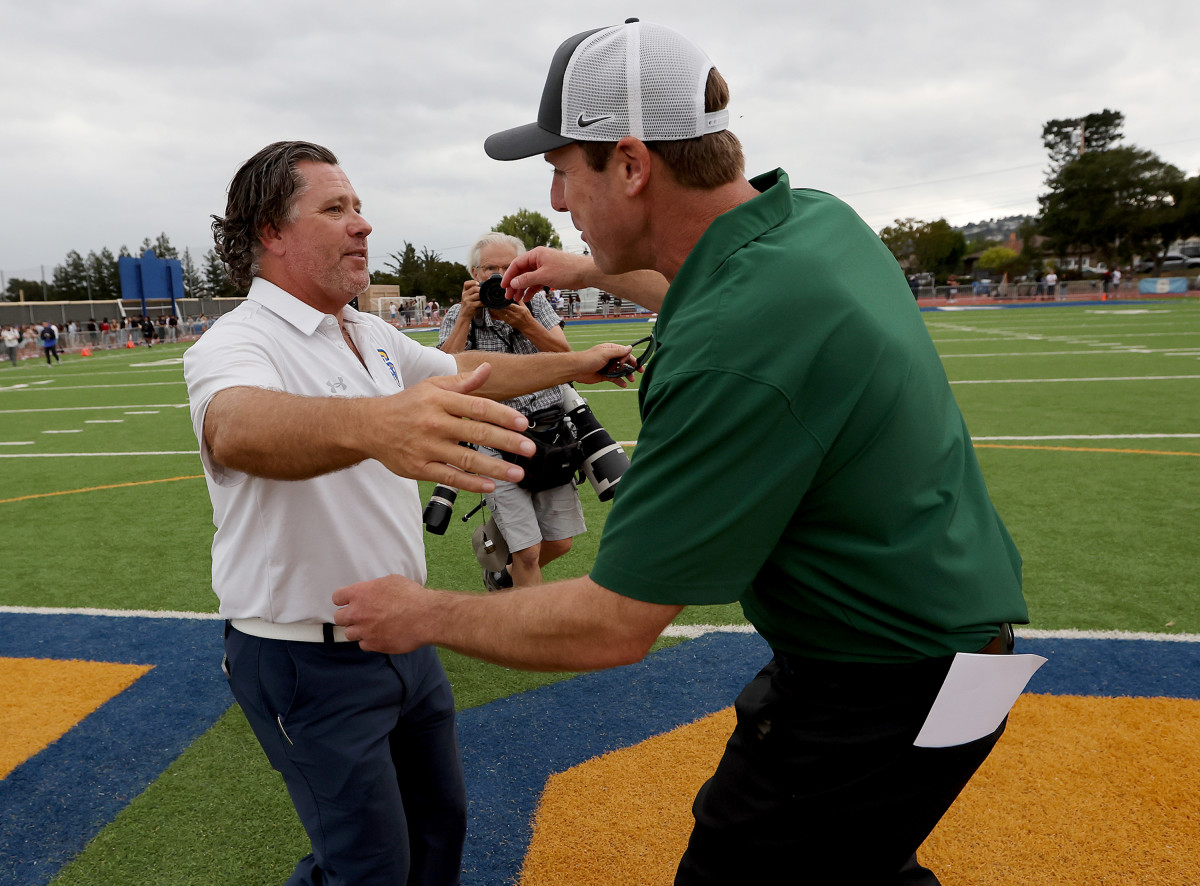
604,460
439,509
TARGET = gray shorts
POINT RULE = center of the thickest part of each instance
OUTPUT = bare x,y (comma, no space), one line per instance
527,518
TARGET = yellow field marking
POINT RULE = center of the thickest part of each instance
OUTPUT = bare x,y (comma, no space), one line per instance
40,700
4,501
1084,449
1079,791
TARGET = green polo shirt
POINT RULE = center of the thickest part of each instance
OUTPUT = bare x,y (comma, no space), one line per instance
801,451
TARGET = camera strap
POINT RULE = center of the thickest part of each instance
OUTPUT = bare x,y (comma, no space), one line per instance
478,323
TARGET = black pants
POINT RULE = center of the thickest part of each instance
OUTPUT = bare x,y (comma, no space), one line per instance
820,782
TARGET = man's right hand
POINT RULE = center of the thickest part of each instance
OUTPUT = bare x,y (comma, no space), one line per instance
470,299
416,433
530,272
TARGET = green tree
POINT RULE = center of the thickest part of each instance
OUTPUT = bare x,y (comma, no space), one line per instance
161,245
405,269
193,280
425,274
931,247
901,239
1116,203
939,248
164,249
71,278
1189,208
1033,256
23,290
531,228
1070,138
104,275
216,280
1000,259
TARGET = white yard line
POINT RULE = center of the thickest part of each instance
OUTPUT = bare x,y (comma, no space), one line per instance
688,631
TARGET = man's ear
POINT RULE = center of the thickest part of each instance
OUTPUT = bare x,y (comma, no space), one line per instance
631,159
271,239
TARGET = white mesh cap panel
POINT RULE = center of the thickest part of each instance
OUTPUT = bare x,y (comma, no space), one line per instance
642,70
674,72
595,87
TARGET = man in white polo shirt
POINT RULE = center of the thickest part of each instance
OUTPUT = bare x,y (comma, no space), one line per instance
314,422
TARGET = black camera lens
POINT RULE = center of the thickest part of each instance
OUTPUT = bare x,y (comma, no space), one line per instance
492,295
439,508
604,459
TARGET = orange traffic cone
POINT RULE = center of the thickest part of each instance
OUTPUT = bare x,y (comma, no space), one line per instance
86,352
130,344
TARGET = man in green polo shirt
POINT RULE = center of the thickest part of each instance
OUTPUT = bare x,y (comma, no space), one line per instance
800,452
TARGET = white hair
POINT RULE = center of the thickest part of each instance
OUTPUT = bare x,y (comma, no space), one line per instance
492,237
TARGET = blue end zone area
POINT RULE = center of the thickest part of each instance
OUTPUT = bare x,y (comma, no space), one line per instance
62,797
511,746
56,801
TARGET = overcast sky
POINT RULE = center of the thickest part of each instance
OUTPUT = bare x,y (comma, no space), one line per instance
121,119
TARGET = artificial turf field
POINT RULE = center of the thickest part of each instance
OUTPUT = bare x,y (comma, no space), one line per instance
119,730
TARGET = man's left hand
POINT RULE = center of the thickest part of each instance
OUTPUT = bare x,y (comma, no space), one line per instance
515,315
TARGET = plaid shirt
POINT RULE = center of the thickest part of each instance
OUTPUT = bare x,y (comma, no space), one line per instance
490,334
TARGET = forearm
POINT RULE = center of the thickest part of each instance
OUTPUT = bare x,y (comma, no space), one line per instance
562,270
572,625
283,436
414,433
516,374
645,288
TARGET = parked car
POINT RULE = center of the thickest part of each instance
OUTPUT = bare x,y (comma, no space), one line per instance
1171,261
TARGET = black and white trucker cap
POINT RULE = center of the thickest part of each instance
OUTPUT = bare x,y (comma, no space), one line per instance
637,78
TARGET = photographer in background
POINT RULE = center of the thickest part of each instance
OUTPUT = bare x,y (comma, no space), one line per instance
537,524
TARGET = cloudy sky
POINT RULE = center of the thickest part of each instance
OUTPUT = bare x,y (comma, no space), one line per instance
121,119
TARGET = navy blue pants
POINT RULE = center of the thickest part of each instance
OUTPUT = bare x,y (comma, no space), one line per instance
820,782
367,746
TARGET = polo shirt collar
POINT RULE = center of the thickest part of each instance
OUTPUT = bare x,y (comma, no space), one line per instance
278,301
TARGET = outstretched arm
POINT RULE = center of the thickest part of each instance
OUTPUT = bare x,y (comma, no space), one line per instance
414,433
515,374
573,625
543,266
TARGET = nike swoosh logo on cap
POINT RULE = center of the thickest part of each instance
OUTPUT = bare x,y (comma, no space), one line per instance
584,122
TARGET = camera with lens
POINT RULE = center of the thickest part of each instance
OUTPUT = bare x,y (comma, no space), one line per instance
604,459
439,508
492,295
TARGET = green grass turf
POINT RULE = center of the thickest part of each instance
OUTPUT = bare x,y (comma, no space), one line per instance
1106,536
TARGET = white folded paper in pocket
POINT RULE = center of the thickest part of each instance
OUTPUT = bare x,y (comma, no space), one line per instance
977,694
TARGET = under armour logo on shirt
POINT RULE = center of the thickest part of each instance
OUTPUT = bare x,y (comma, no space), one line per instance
334,385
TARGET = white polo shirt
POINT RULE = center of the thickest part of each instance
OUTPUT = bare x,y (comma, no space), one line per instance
283,546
